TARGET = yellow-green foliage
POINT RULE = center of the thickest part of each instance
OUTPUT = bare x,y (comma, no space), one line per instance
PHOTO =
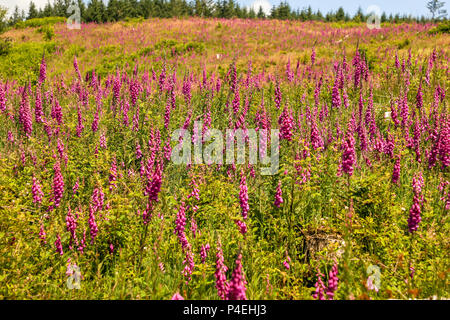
22,60
39,22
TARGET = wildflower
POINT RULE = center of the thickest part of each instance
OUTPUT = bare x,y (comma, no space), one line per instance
25,113
36,191
154,183
332,281
371,285
94,125
412,272
58,184
194,227
278,96
76,186
189,264
113,175
289,72
58,245
278,195
419,97
404,111
242,227
397,61
62,154
42,234
396,173
236,102
162,78
444,146
83,242
236,287
195,191
394,114
56,112
2,99
316,138
42,70
38,113
320,287
102,141
135,88
167,116
180,223
348,156
187,90
204,252
77,70
345,99
336,97
177,296
243,196
286,263
138,151
80,126
233,78
220,274
167,150
415,211
136,120
358,68
125,108
92,224
286,122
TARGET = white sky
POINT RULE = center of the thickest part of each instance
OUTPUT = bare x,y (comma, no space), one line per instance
22,4
264,4
414,7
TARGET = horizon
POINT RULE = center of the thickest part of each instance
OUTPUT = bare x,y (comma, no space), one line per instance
415,8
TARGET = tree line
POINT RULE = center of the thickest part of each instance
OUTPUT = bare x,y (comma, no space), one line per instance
116,10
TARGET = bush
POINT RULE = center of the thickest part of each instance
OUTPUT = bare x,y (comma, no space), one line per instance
443,27
39,22
48,32
177,48
25,58
5,46
404,44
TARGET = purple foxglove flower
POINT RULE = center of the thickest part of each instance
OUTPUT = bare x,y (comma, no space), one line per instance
236,286
278,195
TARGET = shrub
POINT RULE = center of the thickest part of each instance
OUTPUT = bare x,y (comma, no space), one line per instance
25,58
48,32
403,44
5,46
443,27
39,22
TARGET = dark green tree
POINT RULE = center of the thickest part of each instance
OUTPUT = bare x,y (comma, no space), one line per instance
359,16
261,14
32,11
251,13
340,14
95,12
